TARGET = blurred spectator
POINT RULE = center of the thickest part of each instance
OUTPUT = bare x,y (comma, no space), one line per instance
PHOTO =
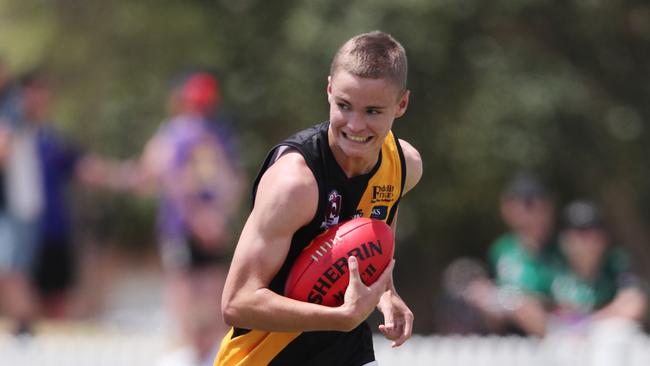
8,95
522,261
7,116
4,79
17,301
40,163
189,163
596,281
5,89
462,279
38,167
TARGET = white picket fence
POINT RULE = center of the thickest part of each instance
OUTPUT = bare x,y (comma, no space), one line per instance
513,351
81,349
93,348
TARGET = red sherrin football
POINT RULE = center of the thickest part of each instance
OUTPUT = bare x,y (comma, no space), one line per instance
320,273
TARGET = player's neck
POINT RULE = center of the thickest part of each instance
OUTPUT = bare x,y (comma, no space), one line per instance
354,166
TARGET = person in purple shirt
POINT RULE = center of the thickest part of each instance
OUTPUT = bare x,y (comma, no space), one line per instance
190,163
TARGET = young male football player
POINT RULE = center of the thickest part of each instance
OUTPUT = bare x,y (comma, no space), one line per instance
349,166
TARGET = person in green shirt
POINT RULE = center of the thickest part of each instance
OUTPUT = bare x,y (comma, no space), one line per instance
516,298
595,280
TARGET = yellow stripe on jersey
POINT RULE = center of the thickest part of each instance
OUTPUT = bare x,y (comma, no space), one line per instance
385,186
253,348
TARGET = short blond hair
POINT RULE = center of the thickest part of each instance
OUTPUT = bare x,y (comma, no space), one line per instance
373,55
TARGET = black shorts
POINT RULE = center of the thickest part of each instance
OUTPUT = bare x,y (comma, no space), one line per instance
187,254
200,258
55,267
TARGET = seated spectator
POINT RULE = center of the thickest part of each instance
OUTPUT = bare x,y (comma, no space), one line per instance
463,278
595,282
522,259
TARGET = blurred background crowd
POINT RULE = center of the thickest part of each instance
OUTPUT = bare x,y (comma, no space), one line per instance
538,279
532,217
189,165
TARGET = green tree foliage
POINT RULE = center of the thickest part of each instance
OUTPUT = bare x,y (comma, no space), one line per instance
560,87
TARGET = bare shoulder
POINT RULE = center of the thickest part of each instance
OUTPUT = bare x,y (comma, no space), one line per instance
413,165
288,188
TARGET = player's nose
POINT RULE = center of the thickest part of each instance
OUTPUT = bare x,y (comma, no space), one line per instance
356,123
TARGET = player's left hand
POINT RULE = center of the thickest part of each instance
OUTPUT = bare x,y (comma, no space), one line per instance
398,318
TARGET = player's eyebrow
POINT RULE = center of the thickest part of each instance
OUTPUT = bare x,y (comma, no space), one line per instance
343,100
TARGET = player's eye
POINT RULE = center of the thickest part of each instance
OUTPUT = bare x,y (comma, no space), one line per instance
373,111
343,106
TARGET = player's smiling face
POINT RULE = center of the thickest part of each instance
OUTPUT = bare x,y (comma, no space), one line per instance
362,112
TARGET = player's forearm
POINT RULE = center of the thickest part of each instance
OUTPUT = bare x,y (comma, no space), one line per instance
265,310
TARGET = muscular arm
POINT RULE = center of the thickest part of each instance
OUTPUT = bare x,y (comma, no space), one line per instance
286,200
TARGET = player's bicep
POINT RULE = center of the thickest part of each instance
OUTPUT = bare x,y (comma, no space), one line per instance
286,200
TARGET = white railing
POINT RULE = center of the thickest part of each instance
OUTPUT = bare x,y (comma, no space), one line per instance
97,348
512,351
607,343
80,350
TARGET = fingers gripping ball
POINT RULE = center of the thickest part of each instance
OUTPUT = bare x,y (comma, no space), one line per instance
320,274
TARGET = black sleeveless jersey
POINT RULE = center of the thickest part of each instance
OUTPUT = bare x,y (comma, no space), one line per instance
375,195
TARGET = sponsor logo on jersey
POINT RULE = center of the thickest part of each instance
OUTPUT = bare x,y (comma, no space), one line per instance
379,212
333,211
383,193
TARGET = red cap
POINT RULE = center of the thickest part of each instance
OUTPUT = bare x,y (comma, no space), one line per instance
201,90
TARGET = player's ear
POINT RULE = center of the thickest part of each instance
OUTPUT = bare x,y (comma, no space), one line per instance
329,87
402,104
